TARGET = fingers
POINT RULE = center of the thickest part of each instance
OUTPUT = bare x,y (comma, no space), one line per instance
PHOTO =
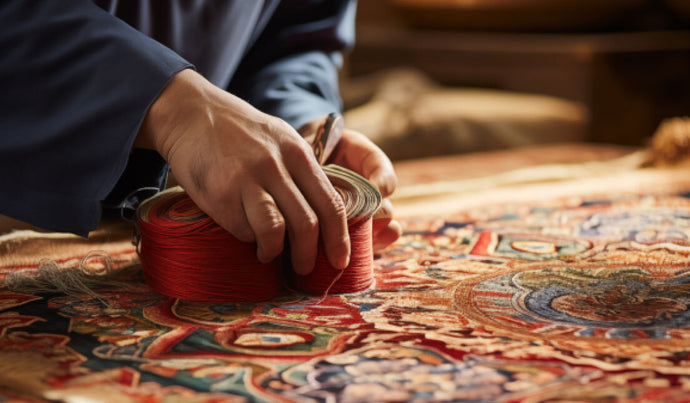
355,151
266,221
302,203
236,223
385,212
258,179
302,225
384,181
360,154
385,230
387,235
326,204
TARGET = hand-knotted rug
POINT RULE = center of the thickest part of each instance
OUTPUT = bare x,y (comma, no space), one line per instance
568,298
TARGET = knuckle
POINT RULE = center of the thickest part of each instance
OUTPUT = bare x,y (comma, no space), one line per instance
224,189
271,223
242,232
343,240
386,209
289,144
309,224
268,162
278,129
275,125
304,150
300,154
300,151
233,220
337,208
390,185
337,221
219,192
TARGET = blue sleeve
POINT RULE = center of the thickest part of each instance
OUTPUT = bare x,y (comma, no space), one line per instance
292,69
76,85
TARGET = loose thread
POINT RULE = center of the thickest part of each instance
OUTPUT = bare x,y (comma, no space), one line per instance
328,290
90,277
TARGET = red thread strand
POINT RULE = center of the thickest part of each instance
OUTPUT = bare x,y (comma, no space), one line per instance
186,255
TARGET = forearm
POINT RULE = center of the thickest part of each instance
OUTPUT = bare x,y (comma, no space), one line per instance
292,70
298,89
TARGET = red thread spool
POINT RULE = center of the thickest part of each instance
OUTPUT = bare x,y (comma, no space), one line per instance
186,255
358,275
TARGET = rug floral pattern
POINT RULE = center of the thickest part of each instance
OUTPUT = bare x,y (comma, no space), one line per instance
568,299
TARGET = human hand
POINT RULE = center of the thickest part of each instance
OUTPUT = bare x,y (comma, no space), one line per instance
249,171
356,152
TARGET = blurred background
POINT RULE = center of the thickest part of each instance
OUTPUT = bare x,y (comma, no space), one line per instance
434,77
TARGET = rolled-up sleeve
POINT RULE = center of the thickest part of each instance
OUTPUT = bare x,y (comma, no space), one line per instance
292,69
76,85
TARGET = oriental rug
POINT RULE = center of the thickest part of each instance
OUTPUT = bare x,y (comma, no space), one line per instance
566,299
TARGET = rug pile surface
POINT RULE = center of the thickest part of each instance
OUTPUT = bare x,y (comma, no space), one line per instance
574,298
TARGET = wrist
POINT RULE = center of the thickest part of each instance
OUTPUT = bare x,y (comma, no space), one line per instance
160,124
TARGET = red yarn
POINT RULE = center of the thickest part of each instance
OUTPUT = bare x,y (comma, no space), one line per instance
358,275
186,255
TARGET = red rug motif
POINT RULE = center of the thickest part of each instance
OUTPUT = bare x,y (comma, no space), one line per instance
569,299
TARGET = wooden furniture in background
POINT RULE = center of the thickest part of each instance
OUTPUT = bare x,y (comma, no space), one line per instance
628,80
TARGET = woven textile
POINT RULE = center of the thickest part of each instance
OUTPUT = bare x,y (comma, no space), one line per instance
571,298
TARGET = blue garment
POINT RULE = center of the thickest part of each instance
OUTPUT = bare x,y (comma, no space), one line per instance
77,78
